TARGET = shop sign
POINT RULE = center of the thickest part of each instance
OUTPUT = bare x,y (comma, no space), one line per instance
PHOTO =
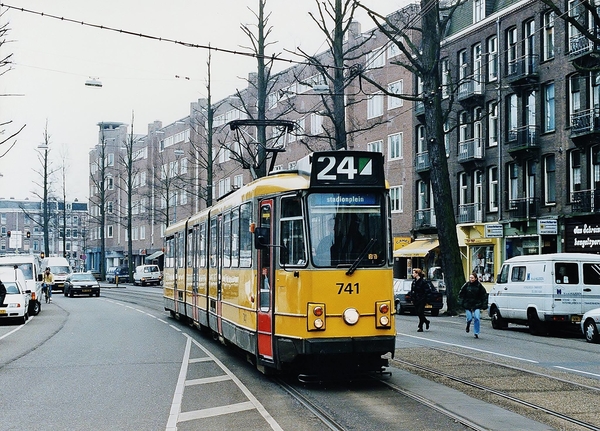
494,231
547,226
582,237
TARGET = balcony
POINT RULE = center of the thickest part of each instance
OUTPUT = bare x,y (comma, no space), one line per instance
586,124
425,219
422,163
524,208
470,90
470,151
582,49
523,70
470,213
523,140
586,201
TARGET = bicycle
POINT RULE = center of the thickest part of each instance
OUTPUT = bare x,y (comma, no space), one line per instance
45,292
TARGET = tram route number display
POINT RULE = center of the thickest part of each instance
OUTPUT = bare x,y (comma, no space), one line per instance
354,168
349,288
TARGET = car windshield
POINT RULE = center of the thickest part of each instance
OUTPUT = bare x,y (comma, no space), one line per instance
60,270
83,277
27,269
11,288
346,226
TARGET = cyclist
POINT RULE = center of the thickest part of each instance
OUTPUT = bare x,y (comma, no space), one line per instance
47,283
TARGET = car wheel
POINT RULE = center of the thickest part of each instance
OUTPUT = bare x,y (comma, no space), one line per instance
591,331
35,308
22,320
536,327
71,294
498,321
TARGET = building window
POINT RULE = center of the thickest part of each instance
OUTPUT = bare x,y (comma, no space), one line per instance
513,181
478,10
492,124
548,35
109,207
395,146
396,199
375,59
529,108
492,48
463,197
462,66
445,69
595,161
375,146
374,105
574,172
395,88
529,30
549,179
109,231
110,183
477,67
549,113
493,188
511,48
111,159
316,124
511,117
574,94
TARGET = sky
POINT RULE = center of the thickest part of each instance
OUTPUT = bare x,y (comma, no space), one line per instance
141,77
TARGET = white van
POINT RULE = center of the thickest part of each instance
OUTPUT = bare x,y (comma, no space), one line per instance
60,268
545,291
29,266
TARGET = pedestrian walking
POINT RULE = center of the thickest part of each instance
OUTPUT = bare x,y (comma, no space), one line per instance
473,297
418,294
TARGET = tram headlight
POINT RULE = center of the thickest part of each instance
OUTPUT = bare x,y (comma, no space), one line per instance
383,314
351,316
316,317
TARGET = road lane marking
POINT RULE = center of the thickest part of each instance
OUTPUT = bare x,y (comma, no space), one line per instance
577,371
471,348
178,396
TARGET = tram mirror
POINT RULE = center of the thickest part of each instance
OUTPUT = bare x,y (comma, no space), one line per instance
261,237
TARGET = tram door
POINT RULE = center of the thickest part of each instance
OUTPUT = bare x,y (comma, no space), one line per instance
265,274
192,262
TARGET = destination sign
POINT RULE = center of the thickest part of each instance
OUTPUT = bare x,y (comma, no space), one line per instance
346,168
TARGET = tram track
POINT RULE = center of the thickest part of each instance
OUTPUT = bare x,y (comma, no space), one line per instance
556,400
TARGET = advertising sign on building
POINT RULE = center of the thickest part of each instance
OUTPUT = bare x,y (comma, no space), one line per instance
493,231
582,236
547,226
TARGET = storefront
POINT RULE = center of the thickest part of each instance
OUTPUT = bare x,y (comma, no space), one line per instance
582,235
421,253
482,243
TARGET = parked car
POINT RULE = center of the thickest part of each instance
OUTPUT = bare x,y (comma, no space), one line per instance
29,266
147,274
121,271
16,301
81,283
403,301
589,325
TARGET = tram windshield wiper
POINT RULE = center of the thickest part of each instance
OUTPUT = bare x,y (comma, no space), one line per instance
361,256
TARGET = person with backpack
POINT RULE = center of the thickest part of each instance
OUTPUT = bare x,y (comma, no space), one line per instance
473,297
418,294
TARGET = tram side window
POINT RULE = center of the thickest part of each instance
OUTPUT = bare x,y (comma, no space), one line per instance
213,243
202,245
566,272
293,250
591,273
180,250
227,240
245,235
235,238
190,249
169,252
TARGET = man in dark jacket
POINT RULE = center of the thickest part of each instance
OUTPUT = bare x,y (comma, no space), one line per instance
473,297
418,294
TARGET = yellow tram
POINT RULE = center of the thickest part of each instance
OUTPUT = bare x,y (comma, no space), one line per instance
294,268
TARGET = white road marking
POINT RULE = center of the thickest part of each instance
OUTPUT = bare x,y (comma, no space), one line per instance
470,348
577,371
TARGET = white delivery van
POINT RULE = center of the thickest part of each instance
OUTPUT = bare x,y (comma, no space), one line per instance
29,266
60,268
545,291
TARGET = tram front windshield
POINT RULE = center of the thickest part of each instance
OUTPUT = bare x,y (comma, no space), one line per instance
346,227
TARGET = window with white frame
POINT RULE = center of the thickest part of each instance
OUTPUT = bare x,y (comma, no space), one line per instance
513,181
462,66
549,179
511,118
238,181
492,116
463,127
224,186
143,205
393,50
595,168
109,231
574,172
574,94
224,154
548,40
183,165
463,188
396,199
375,58
111,159
478,10
134,233
549,107
493,188
374,105
511,48
445,69
110,183
316,124
477,67
375,146
395,88
492,60
529,108
395,146
183,197
142,232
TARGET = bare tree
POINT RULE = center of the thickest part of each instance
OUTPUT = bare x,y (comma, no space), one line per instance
5,66
422,57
